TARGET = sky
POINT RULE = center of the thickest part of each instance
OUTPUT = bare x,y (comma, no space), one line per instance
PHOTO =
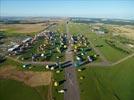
123,9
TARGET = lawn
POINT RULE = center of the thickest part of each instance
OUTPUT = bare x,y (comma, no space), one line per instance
103,83
14,90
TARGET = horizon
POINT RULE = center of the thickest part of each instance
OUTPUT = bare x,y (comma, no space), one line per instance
106,9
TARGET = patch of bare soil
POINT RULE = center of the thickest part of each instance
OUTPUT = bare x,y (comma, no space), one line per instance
30,78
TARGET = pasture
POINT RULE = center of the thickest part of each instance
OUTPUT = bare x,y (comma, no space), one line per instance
112,54
108,83
14,90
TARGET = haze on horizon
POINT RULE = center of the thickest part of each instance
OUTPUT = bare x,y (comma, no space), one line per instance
122,9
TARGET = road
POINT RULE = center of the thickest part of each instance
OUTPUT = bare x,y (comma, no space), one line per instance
123,59
71,83
30,62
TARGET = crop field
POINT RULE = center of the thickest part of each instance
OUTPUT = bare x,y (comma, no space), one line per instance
30,78
113,83
127,31
22,28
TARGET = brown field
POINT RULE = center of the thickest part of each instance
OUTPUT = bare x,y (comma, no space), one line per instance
23,28
28,77
127,31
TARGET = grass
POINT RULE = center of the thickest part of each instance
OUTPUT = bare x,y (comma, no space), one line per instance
61,28
76,28
111,54
58,77
9,62
13,90
113,83
22,28
102,83
40,91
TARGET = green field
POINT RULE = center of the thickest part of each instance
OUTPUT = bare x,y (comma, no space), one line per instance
103,83
109,52
76,28
59,77
14,90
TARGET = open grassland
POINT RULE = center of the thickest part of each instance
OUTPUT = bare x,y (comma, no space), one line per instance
22,28
61,27
127,31
14,90
76,28
111,54
108,83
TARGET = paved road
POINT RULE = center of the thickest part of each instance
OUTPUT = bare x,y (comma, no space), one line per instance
71,83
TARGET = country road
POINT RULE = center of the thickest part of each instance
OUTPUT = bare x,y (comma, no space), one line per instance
123,59
30,62
103,64
71,83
